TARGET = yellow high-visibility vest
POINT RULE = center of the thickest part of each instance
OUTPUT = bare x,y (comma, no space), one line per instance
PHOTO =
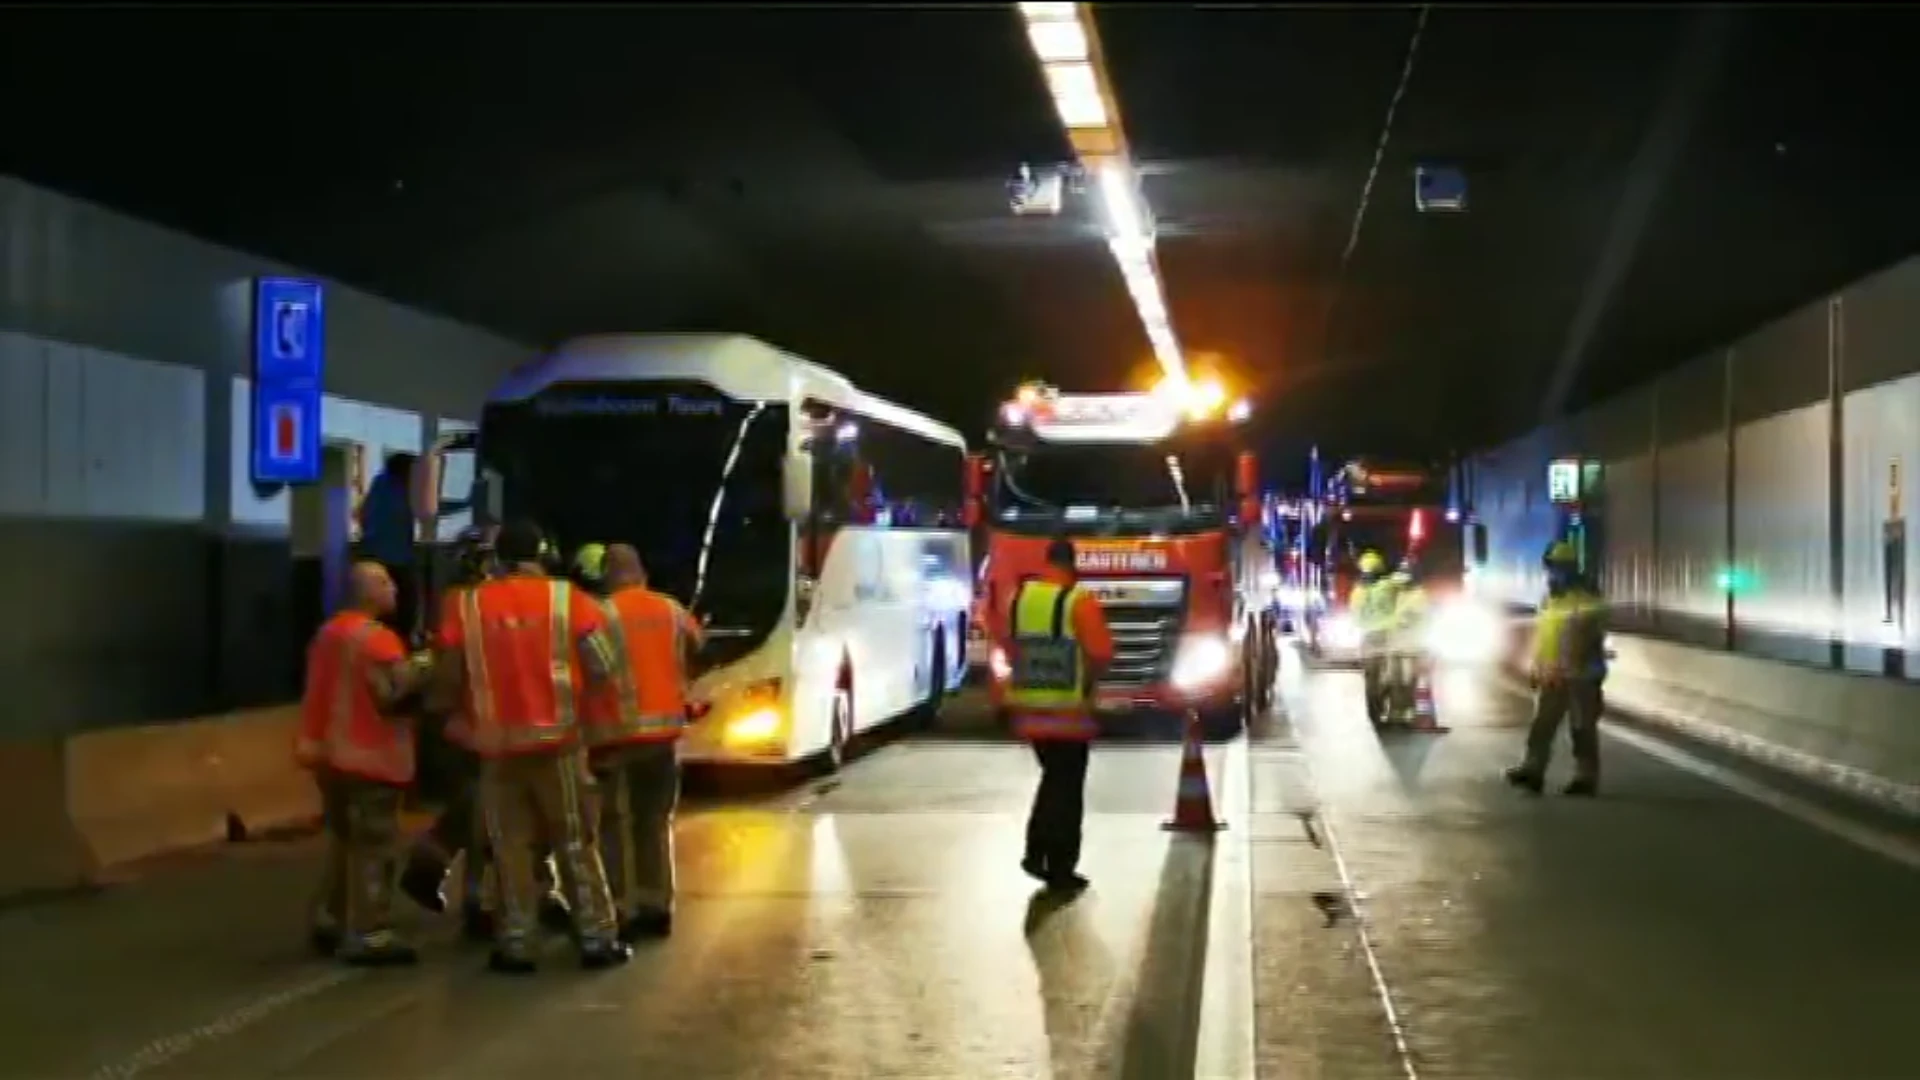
1049,665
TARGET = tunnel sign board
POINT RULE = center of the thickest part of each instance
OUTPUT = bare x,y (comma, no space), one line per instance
1563,481
289,369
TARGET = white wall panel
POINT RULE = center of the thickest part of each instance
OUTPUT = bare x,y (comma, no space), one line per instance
66,469
457,478
1882,425
1628,562
1780,533
380,429
143,438
23,425
1693,528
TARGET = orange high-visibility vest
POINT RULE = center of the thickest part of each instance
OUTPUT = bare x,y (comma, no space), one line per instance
645,700
341,728
520,639
458,729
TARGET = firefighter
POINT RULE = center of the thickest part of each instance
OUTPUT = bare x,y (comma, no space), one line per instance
362,755
458,829
1372,605
1059,646
1569,667
523,648
1407,640
633,725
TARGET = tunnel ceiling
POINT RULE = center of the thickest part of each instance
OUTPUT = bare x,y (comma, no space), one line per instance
835,181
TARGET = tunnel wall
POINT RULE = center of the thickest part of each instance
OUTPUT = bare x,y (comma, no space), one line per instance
1727,505
158,585
1746,505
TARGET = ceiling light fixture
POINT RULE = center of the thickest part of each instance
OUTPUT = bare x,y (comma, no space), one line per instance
1068,48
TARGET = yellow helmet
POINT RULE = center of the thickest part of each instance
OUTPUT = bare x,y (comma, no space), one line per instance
1561,553
590,561
1371,562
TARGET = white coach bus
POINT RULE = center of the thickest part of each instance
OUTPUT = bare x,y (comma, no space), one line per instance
816,530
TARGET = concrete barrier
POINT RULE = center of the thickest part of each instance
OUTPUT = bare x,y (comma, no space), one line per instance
1858,734
39,849
72,810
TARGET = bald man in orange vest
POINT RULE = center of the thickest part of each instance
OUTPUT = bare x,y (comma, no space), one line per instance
362,755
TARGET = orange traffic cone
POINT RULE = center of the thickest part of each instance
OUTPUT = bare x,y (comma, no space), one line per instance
1423,714
1193,804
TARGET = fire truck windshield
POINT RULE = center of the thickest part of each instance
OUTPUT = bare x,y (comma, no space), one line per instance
1105,488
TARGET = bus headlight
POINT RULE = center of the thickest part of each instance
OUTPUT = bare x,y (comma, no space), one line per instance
761,725
1201,662
1341,631
1464,632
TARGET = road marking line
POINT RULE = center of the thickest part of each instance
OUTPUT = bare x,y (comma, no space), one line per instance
1224,1045
1805,811
170,1048
1381,991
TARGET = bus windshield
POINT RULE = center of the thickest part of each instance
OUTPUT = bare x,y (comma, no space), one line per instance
1103,488
689,477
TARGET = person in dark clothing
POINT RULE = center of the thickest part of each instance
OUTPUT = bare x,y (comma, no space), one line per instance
387,535
1059,644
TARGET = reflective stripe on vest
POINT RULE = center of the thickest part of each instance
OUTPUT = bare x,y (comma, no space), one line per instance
628,723
1046,690
493,734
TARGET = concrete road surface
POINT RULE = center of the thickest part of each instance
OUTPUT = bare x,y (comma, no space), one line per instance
1375,908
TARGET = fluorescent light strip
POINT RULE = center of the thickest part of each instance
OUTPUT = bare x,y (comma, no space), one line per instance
1061,36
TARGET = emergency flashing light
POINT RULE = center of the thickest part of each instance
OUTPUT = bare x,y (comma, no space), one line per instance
1239,411
1417,526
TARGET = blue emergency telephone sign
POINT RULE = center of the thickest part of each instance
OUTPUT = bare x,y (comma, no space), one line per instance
289,370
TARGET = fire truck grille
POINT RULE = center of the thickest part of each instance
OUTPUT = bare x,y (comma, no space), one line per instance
1143,640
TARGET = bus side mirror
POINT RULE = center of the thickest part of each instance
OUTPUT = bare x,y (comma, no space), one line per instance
796,485
1479,543
976,488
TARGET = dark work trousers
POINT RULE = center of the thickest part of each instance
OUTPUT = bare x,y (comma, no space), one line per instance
459,830
1059,804
1579,703
639,787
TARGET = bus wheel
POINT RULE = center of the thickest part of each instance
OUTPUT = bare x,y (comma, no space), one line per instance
839,729
929,711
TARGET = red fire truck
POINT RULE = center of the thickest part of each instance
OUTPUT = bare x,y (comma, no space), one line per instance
1162,506
1404,512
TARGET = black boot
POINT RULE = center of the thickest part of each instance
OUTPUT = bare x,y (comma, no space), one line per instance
600,955
424,881
1525,779
1585,786
380,949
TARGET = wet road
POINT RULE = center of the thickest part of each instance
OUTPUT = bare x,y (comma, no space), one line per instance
1374,910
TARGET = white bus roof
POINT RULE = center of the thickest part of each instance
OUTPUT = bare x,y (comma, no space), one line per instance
741,367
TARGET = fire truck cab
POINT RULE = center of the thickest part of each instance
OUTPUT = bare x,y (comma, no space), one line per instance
1405,512
1162,507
